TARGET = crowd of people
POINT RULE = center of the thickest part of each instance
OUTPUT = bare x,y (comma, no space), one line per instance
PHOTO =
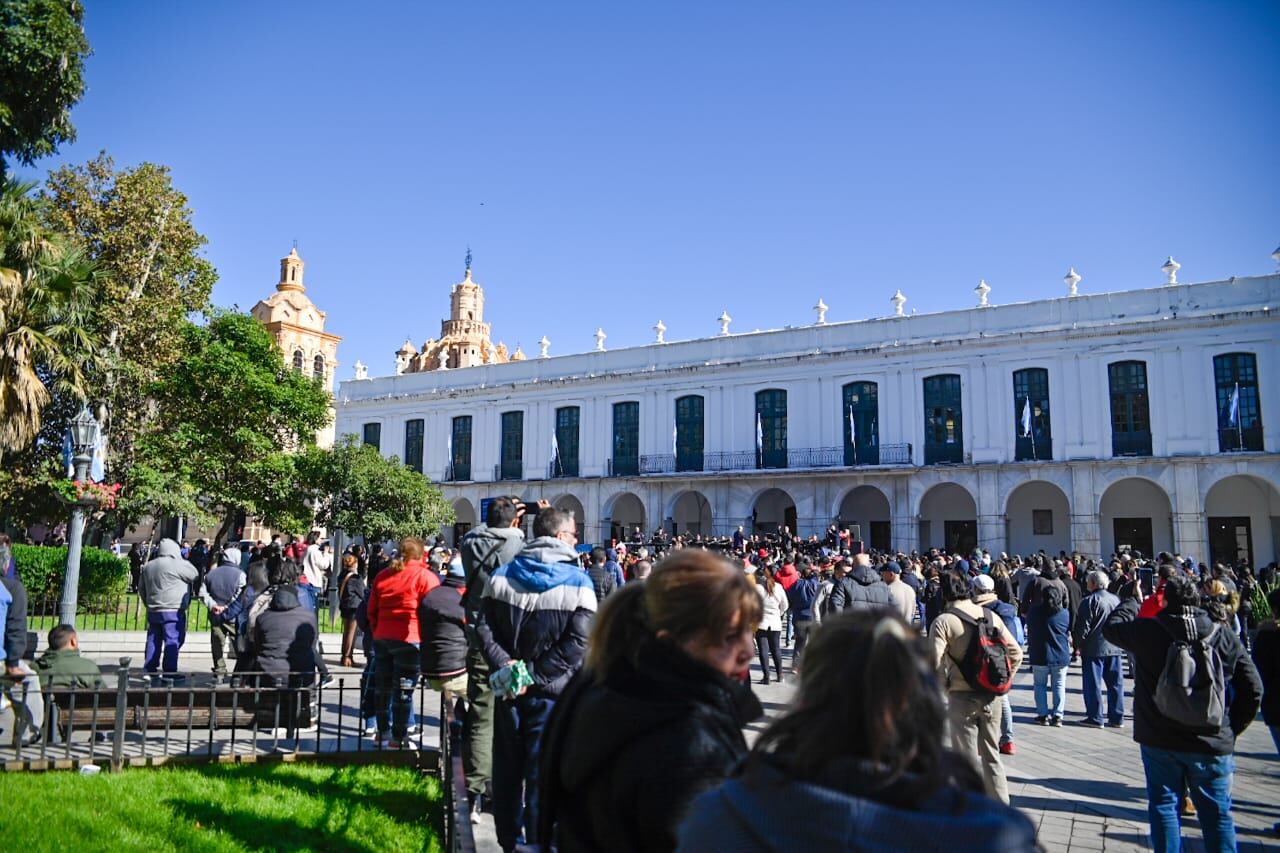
605,690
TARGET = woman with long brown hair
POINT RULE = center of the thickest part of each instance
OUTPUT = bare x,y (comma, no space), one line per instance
656,715
861,757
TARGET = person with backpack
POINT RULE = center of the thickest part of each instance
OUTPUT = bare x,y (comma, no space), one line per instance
1185,668
800,600
975,656
985,595
1049,645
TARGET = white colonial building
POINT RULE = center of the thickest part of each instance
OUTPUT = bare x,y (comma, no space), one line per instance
1146,418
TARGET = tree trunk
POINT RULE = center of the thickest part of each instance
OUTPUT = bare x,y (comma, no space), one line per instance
227,522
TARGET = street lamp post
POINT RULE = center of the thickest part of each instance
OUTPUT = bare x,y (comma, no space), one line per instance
84,435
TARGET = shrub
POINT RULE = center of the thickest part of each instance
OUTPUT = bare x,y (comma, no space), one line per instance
41,569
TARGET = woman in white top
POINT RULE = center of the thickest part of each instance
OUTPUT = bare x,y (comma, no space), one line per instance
774,603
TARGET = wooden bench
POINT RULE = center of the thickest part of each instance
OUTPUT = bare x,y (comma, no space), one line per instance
177,708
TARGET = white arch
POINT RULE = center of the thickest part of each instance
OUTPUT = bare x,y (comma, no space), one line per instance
869,508
691,512
1029,528
948,518
625,512
1242,519
1145,515
773,508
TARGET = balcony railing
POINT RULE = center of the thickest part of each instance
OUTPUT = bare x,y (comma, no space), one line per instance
1131,443
511,469
457,473
560,468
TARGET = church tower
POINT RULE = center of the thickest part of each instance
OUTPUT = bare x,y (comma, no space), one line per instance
297,326
464,337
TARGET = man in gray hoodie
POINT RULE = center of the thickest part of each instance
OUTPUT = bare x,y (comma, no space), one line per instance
483,549
221,586
165,589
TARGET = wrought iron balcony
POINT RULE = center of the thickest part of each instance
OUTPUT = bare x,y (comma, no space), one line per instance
456,473
509,470
750,460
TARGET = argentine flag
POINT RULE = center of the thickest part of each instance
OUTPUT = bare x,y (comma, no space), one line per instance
759,434
1233,408
853,429
1026,418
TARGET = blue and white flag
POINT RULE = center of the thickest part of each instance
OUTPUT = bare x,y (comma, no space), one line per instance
1026,418
675,439
555,447
448,448
66,455
759,434
853,429
1233,408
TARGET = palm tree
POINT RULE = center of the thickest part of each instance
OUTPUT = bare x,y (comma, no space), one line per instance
47,287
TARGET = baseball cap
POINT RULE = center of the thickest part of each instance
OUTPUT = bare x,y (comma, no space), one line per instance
891,566
983,583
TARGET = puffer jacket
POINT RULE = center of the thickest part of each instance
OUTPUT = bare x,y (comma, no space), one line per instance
623,760
538,609
861,589
1149,641
759,810
166,579
284,635
444,642
394,600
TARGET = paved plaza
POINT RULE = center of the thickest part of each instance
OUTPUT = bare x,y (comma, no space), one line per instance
1082,787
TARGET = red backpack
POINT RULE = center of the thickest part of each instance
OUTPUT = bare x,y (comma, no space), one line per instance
987,666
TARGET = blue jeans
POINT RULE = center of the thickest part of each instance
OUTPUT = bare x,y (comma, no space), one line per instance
165,633
1207,778
1046,678
395,674
1006,720
1109,671
517,734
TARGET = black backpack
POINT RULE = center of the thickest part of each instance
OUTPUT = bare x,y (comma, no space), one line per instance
1054,597
987,666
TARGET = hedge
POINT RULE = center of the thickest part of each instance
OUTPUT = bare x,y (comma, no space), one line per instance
41,570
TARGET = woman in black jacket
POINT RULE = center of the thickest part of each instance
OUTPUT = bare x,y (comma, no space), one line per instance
656,715
351,592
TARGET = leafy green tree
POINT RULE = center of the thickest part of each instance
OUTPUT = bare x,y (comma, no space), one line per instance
231,422
360,491
47,290
137,228
42,53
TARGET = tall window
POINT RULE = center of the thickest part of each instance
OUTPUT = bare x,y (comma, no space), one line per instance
566,463
413,444
943,419
689,433
1239,411
297,360
861,415
460,448
1130,409
1031,409
771,421
317,367
373,435
512,464
626,438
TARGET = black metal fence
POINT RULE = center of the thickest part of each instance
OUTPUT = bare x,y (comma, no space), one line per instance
751,460
126,612
458,835
139,721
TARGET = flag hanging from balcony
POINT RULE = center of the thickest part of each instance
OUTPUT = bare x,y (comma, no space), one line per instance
1233,408
759,434
675,440
853,429
555,449
448,450
1026,418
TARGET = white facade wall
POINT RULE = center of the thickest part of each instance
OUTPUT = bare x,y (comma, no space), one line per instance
1175,330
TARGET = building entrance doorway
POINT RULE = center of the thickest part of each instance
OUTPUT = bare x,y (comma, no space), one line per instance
1133,534
1230,540
961,536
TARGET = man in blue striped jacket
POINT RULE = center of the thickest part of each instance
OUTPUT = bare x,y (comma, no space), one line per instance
537,609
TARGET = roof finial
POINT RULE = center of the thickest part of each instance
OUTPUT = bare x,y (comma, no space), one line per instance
898,301
1170,270
982,290
821,310
724,320
295,243
600,336
468,261
1072,279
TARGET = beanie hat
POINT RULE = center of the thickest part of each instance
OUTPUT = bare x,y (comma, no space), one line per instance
983,583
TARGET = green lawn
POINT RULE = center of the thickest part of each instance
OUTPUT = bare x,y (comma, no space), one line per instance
224,807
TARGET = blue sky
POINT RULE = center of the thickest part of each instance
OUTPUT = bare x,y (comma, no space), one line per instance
614,164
